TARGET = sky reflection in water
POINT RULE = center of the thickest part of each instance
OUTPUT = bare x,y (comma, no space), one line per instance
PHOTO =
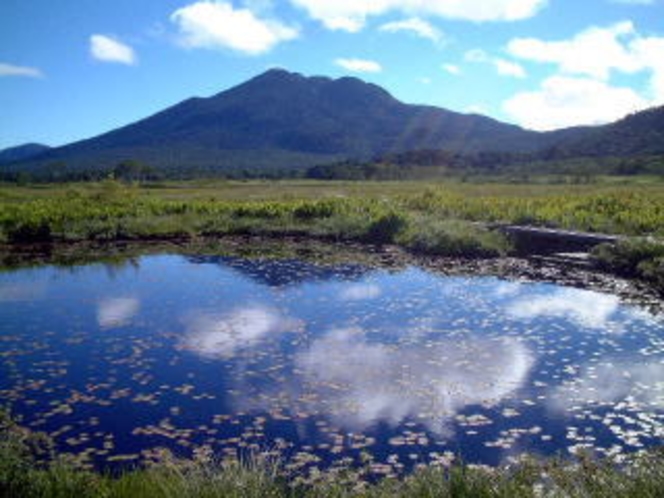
325,362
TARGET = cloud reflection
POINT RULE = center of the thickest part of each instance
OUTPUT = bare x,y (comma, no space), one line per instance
360,292
609,383
214,335
21,291
584,308
358,383
116,312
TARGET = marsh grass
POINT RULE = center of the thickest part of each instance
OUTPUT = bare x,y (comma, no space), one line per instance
429,235
30,468
631,209
443,220
117,217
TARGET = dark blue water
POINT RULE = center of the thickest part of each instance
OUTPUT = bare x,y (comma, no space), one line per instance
324,364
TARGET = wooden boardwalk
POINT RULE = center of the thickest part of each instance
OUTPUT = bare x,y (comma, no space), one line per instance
540,240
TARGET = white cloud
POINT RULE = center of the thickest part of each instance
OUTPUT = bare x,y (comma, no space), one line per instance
218,25
12,70
650,54
563,101
414,25
350,15
359,65
509,68
107,49
452,69
117,312
582,93
593,52
599,52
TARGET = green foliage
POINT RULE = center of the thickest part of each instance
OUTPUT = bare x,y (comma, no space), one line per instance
641,258
386,228
131,170
502,166
445,220
626,256
454,238
652,270
613,211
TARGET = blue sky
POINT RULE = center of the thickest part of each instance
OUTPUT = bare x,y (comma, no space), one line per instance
72,69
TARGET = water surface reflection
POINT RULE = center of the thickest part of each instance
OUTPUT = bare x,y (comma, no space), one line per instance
325,362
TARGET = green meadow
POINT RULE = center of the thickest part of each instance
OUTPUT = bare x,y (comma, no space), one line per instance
112,210
445,219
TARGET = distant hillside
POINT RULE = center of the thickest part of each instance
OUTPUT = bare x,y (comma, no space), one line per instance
21,152
640,134
282,119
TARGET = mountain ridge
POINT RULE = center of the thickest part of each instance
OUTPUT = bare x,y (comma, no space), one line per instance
281,119
22,151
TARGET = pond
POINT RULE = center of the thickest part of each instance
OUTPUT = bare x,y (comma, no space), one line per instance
327,365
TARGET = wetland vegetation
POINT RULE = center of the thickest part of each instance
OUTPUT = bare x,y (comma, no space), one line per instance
446,219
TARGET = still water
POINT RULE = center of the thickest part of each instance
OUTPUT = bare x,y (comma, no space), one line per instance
324,364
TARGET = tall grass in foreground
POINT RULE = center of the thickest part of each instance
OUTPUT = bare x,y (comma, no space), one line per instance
29,468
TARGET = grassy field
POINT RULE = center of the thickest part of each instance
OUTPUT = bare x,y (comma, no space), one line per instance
447,219
630,208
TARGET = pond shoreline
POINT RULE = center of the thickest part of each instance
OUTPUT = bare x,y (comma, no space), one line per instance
166,264
327,250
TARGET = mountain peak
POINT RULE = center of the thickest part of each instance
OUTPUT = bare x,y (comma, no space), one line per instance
284,119
278,74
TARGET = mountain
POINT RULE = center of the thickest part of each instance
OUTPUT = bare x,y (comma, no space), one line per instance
639,134
21,152
283,119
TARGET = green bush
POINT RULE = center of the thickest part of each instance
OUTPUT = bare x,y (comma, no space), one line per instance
636,258
653,271
625,257
386,228
454,238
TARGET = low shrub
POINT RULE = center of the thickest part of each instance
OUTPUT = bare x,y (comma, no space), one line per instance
625,257
634,258
454,238
386,228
